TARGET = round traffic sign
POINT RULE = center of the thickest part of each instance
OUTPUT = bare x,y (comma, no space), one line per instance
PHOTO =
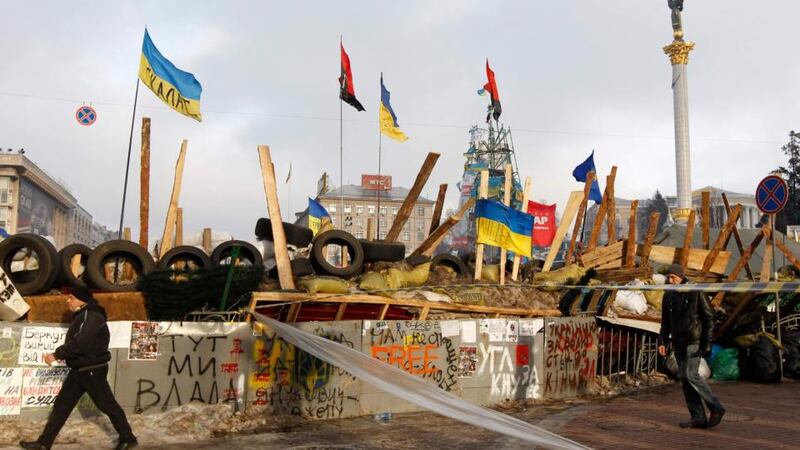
86,115
772,194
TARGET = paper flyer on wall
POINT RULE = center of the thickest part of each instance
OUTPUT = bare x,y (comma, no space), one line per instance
10,391
35,342
468,332
497,330
120,334
449,328
512,331
144,341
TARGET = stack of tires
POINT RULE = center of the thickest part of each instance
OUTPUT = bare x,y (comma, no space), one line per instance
35,266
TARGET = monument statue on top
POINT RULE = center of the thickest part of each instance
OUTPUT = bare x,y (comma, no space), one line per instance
677,27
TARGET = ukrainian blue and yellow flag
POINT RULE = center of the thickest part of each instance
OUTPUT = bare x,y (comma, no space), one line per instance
502,226
318,217
178,89
387,118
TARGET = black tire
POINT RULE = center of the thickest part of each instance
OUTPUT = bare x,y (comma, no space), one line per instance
295,234
382,251
452,262
247,252
338,237
109,251
300,268
32,281
66,277
416,260
185,253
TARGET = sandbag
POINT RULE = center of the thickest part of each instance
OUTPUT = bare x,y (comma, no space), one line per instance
372,281
326,285
725,365
396,278
633,301
491,272
567,275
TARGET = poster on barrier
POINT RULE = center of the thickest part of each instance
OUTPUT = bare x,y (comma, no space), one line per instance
35,342
41,385
10,391
144,341
12,305
467,361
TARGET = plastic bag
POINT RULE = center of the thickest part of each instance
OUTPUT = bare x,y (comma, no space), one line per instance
725,365
671,364
760,362
633,301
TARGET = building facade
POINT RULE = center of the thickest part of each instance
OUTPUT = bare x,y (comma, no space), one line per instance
31,201
351,206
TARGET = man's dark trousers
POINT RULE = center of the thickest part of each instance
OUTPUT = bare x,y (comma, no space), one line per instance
695,388
94,383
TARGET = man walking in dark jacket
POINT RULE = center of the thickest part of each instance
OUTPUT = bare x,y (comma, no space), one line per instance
85,351
687,323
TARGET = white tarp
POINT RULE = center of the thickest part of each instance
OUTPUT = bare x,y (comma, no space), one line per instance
646,325
414,389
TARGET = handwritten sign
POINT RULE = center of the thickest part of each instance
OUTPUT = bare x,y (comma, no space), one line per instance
41,385
10,390
36,342
12,305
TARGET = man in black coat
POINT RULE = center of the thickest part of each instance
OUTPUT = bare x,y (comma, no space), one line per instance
687,323
85,351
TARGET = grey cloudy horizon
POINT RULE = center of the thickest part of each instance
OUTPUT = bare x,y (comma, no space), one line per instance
573,76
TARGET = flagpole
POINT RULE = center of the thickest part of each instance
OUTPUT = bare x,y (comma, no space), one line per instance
128,164
379,191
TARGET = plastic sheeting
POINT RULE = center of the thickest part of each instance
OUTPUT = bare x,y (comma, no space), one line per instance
414,389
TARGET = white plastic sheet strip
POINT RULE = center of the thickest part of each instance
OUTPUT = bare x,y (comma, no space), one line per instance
408,387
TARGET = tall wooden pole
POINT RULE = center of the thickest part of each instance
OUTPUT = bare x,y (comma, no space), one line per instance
408,204
706,213
207,240
172,210
524,208
274,207
437,210
506,201
179,227
483,191
581,212
144,183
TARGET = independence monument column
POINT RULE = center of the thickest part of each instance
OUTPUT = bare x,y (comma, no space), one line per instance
678,52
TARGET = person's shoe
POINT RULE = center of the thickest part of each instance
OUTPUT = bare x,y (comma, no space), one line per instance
125,445
716,417
693,424
33,445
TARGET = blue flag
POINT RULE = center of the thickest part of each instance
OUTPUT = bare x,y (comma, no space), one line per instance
580,173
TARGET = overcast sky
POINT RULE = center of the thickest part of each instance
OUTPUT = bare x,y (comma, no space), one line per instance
573,75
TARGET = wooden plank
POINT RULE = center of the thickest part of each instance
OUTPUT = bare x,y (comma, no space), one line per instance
706,216
766,262
207,240
587,186
696,257
524,208
483,191
687,239
566,219
370,228
411,199
169,226
144,185
616,264
267,297
424,313
737,238
278,236
429,245
652,228
598,223
340,311
612,206
179,227
506,201
719,297
787,253
384,310
437,209
722,238
630,254
126,233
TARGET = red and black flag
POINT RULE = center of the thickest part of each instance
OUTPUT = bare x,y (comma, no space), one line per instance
491,88
347,91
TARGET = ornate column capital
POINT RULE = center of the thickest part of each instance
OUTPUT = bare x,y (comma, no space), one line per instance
678,51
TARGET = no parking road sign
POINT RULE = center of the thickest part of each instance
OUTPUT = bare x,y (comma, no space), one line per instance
86,115
772,194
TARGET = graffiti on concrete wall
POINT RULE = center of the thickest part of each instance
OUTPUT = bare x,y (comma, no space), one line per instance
285,379
507,367
570,356
418,348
